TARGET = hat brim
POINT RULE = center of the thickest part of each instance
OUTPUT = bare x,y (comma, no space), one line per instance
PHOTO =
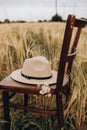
16,75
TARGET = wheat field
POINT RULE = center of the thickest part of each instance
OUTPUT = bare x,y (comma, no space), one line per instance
19,41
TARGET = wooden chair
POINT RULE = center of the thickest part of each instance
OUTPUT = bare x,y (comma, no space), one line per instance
63,80
68,54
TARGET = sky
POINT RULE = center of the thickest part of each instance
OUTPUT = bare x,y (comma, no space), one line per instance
34,10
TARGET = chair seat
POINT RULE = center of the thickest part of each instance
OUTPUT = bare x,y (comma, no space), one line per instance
9,84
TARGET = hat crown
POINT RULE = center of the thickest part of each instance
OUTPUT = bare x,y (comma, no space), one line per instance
37,67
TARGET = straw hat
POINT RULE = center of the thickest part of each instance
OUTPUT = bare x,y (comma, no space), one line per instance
35,71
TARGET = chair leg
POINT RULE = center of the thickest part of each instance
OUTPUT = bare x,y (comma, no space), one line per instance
25,101
6,110
60,113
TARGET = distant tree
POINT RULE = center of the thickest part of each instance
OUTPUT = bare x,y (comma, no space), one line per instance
6,21
40,21
57,18
20,21
0,21
44,20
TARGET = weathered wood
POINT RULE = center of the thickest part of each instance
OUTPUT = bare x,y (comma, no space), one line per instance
6,109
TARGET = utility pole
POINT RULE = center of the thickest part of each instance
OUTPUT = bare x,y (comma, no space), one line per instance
56,5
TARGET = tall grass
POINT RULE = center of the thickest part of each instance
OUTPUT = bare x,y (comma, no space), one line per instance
21,41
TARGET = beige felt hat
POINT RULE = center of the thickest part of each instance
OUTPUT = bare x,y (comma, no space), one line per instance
35,71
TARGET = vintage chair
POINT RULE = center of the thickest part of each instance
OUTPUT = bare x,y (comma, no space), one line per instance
62,86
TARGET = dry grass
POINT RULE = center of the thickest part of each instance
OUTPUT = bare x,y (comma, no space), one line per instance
21,41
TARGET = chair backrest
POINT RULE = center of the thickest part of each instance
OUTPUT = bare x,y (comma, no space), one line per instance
67,56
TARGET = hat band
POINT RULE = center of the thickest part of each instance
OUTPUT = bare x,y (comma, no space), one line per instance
40,78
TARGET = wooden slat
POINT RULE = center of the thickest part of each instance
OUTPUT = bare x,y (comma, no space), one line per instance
80,23
71,56
35,110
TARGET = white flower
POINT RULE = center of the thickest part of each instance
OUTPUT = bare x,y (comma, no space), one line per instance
45,90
